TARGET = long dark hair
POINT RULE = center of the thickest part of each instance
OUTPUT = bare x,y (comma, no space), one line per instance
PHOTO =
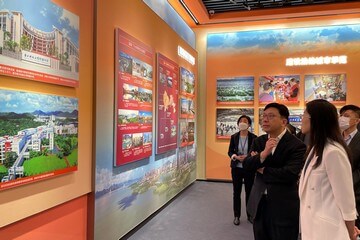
324,127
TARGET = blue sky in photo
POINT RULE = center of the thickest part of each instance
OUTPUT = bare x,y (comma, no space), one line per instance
296,38
26,102
164,10
43,15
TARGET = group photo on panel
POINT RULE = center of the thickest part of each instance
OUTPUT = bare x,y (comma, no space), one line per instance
300,182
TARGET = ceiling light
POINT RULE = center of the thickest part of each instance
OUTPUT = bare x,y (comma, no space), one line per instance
189,12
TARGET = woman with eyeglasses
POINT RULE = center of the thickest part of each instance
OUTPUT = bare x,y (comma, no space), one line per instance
239,147
327,202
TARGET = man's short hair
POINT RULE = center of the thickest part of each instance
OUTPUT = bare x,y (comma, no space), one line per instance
283,110
351,107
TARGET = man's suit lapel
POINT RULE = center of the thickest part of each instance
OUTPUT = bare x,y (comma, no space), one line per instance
282,144
355,141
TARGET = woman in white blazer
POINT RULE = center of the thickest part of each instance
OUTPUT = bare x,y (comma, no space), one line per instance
327,202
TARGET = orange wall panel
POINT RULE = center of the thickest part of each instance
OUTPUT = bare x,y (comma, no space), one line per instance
64,222
255,64
69,220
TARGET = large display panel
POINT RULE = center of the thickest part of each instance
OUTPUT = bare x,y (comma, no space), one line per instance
39,43
236,90
167,104
38,137
134,98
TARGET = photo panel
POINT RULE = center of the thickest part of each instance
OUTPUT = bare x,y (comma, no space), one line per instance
279,88
187,132
38,137
331,87
187,108
235,90
226,121
187,83
39,43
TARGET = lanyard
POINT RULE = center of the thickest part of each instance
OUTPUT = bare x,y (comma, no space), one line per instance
242,146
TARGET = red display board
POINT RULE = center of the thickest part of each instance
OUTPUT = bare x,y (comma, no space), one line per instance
167,104
134,97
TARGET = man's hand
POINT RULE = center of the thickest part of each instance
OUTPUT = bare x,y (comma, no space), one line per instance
253,153
241,157
270,144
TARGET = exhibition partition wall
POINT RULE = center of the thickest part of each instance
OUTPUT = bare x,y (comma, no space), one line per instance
46,114
288,61
145,115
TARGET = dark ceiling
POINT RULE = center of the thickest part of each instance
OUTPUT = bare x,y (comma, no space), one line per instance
221,6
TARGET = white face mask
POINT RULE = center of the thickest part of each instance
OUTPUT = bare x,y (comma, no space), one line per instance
344,123
243,126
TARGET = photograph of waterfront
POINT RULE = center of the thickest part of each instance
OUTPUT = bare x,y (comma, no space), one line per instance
38,136
128,197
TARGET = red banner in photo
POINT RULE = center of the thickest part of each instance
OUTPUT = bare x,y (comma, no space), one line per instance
37,76
134,98
31,179
167,100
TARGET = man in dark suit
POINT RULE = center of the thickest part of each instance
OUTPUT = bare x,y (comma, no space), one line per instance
278,159
349,119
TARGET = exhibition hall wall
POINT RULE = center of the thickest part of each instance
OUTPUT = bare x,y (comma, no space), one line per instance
145,105
145,139
130,122
243,59
46,106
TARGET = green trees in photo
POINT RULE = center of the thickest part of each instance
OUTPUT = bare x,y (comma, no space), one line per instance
66,144
10,158
72,158
25,43
3,171
11,123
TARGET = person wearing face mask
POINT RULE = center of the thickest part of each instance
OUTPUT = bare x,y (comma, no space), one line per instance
239,147
348,121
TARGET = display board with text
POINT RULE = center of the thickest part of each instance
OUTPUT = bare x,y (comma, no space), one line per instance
134,98
167,104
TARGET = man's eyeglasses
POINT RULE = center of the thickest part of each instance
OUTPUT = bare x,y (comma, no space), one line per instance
269,116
